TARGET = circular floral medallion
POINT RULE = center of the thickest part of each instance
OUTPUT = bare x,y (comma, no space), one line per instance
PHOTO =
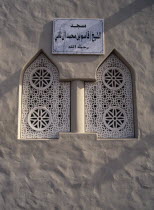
41,78
114,118
113,78
39,118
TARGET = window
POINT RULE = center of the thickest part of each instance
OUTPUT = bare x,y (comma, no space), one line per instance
44,102
109,101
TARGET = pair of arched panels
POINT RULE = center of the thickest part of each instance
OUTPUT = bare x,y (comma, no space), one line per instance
44,101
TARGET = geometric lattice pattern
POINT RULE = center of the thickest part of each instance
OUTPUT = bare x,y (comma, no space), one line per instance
109,101
45,101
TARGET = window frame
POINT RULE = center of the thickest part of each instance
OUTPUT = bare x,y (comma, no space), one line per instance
134,96
20,94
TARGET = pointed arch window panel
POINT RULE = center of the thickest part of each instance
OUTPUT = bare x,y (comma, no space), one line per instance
44,101
109,101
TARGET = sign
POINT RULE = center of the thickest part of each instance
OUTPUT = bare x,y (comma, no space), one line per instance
78,36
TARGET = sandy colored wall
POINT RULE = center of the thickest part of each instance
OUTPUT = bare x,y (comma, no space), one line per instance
76,171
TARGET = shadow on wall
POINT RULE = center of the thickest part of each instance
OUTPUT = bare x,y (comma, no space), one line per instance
106,173
45,42
123,14
110,22
45,37
10,83
126,12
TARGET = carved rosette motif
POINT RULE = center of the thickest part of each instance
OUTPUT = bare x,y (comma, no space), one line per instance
113,78
114,118
39,118
109,102
41,78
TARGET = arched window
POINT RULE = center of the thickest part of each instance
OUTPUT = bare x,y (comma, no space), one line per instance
109,101
44,102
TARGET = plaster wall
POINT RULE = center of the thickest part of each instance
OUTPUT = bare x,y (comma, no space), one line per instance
76,171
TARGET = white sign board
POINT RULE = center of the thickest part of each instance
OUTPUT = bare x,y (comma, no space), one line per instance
78,36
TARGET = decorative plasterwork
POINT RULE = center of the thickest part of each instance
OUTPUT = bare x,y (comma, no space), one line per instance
45,102
109,101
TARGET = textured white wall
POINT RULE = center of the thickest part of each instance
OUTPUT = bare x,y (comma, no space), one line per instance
76,172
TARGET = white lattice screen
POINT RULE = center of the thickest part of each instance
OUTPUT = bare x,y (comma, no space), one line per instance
109,102
45,101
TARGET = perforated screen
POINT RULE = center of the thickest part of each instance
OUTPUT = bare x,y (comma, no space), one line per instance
45,101
109,102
